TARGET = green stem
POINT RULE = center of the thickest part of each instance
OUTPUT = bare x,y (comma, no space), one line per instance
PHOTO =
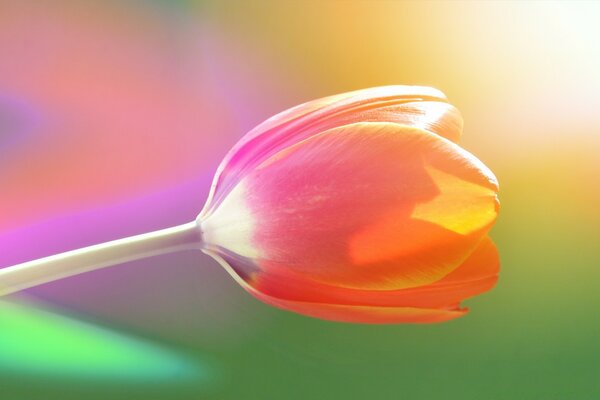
48,269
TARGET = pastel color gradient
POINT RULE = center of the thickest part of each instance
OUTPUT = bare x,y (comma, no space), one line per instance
114,116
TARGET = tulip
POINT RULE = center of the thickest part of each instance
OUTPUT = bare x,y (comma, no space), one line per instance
358,207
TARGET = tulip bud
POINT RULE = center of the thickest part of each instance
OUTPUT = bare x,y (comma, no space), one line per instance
358,207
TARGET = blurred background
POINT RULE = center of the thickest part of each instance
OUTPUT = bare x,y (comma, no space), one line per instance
114,116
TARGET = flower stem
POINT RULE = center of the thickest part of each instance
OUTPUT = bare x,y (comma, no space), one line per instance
48,269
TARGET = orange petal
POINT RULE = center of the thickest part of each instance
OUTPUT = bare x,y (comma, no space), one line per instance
367,206
483,263
348,313
476,275
365,314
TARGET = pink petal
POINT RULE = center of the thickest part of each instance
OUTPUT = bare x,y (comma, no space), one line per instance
367,206
420,107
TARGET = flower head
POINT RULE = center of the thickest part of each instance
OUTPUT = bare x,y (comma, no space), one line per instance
358,207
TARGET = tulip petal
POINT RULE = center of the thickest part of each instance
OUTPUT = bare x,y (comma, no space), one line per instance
365,314
434,116
483,263
420,107
347,313
364,206
476,275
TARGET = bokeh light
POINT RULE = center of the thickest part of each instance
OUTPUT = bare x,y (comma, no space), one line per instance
40,342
